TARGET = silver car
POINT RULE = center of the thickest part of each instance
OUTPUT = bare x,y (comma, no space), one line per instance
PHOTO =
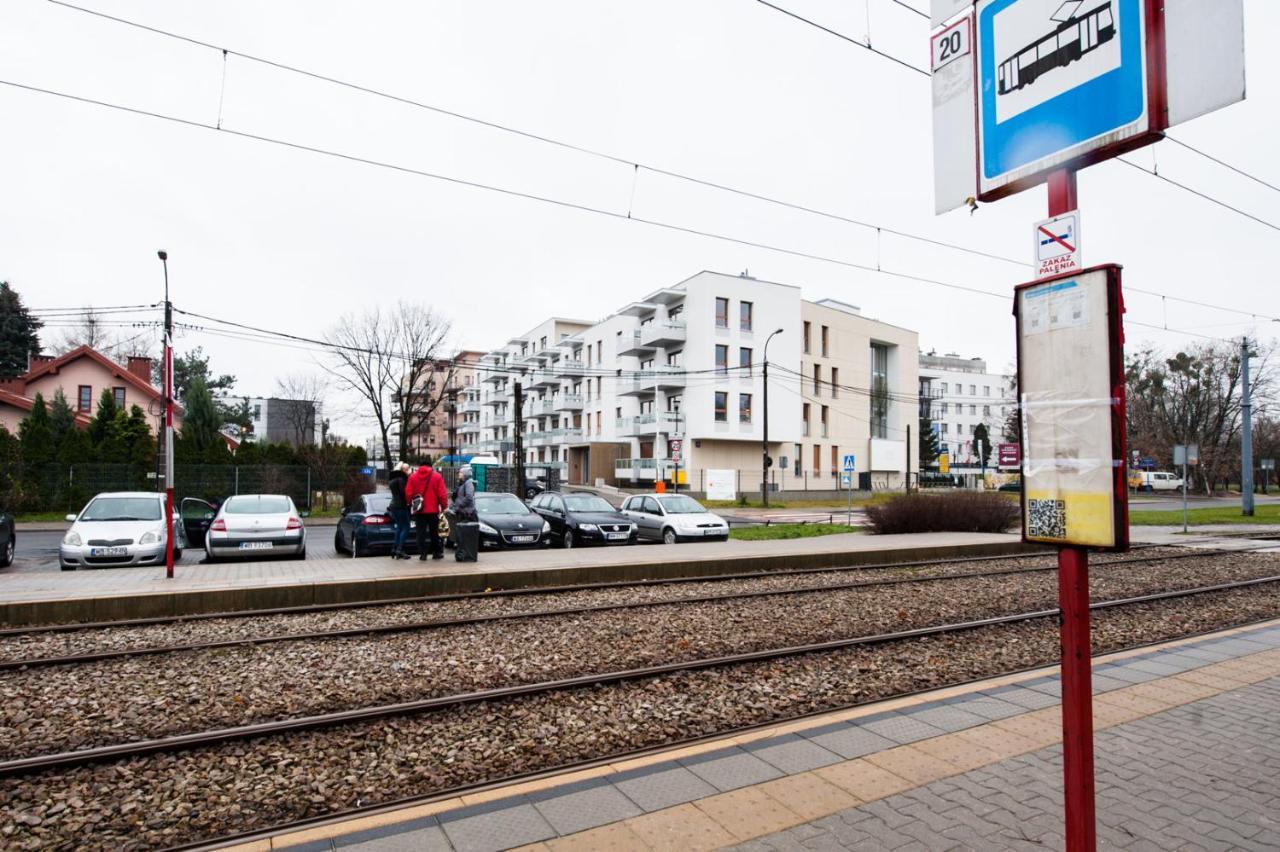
256,525
670,518
117,530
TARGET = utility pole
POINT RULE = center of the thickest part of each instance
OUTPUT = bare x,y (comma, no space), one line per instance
907,472
675,479
168,419
1246,435
519,439
765,461
451,408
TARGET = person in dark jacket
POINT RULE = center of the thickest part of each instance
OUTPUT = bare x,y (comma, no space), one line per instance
428,484
399,509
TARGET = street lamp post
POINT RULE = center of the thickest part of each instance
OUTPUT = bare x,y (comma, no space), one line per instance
765,461
168,419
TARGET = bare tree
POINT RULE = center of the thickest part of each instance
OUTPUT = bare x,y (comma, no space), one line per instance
100,334
389,358
303,394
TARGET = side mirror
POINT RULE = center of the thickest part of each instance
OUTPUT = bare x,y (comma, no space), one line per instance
71,519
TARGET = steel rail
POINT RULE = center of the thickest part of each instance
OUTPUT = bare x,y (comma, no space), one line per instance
82,757
435,624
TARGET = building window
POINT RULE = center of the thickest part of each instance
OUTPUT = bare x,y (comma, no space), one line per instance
835,459
744,360
879,391
118,395
824,421
973,410
817,459
835,382
942,408
798,462
722,407
744,316
986,390
817,379
805,338
598,421
84,400
722,359
744,408
986,411
804,427
825,341
944,428
973,390
722,313
674,358
959,389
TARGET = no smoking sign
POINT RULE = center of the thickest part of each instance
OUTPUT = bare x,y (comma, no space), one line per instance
1057,242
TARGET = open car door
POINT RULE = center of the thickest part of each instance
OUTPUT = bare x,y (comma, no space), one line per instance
196,515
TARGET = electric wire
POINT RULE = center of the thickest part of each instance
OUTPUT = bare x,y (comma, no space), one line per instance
850,39
1273,226
1223,163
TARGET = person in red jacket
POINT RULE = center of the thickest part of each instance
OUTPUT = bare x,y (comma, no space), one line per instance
428,484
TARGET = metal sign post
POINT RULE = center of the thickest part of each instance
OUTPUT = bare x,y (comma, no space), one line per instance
850,465
1184,455
168,420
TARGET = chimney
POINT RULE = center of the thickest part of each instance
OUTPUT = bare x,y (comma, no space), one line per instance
17,386
37,360
140,366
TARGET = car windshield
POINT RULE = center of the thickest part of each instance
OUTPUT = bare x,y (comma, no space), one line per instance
587,503
681,505
378,503
500,504
122,509
257,504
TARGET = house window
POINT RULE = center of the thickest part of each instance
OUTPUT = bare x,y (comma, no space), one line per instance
825,339
744,408
674,358
722,407
744,360
84,400
817,459
973,390
805,338
118,394
744,316
973,410
824,421
835,382
722,359
804,409
598,420
986,390
722,313
959,389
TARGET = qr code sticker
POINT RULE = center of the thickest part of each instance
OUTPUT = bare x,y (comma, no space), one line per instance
1047,519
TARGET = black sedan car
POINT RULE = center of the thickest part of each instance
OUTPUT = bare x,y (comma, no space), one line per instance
577,519
505,522
8,539
366,528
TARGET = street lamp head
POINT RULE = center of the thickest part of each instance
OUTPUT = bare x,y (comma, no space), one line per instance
162,254
779,331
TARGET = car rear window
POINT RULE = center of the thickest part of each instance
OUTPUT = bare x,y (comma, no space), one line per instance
377,504
122,509
257,505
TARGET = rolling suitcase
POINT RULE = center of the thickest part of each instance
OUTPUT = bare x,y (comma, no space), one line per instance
467,536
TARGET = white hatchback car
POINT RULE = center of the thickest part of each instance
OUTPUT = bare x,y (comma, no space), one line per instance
670,518
119,529
256,525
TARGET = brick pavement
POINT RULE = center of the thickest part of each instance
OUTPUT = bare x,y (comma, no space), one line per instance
1188,756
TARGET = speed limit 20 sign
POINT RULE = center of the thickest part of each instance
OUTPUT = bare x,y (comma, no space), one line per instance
951,44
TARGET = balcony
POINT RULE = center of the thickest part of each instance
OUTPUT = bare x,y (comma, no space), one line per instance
640,383
571,368
539,408
649,424
568,435
544,379
470,405
641,470
495,376
664,333
495,398
569,402
632,345
669,377
537,439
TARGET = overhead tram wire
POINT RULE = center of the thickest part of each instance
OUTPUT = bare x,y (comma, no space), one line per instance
1222,163
1273,226
634,164
569,205
839,35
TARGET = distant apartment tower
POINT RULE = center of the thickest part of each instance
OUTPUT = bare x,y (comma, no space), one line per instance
958,394
296,422
443,390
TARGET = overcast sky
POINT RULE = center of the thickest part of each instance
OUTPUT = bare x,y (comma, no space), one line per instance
726,90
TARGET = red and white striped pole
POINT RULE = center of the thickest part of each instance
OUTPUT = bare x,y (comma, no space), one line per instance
168,420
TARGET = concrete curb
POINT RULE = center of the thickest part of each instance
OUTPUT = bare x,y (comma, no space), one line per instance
239,599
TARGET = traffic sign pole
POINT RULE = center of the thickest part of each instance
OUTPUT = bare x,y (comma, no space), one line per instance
1077,671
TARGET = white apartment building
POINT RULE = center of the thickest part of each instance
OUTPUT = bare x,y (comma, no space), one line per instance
605,400
958,394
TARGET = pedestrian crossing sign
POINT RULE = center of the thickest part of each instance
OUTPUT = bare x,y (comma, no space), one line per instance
849,465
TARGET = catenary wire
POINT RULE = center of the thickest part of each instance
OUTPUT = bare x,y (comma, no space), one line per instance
1223,163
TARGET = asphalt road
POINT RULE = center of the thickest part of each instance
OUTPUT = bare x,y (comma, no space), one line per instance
38,551
1168,502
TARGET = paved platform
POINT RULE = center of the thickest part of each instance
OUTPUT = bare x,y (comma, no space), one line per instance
1187,751
116,593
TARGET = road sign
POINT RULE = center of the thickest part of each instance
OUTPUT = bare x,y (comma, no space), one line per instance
675,447
849,463
367,471
1268,464
1189,454
951,44
846,481
944,463
1057,242
1009,455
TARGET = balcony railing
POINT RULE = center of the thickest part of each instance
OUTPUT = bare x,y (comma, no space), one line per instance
571,367
665,333
569,402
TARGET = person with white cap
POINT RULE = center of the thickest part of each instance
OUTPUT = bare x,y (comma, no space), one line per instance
464,495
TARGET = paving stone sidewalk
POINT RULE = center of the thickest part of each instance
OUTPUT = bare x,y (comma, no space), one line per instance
1202,776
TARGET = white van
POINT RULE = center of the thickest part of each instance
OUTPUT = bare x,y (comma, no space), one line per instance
1160,481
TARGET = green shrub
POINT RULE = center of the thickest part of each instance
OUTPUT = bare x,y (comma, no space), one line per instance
954,512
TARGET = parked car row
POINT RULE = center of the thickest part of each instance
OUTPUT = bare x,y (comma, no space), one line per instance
128,528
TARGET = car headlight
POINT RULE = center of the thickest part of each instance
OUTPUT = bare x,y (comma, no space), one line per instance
151,537
588,527
485,528
73,539
546,526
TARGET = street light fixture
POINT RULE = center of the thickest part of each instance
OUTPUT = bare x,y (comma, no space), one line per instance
765,461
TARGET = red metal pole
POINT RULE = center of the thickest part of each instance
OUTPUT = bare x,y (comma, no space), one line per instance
168,420
1073,599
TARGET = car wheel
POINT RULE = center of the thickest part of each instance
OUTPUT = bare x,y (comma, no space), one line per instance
567,541
177,554
669,536
302,554
68,567
6,558
356,549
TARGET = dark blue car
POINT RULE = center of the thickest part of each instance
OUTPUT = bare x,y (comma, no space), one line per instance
366,528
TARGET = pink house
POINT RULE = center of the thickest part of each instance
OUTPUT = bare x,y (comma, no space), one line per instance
82,374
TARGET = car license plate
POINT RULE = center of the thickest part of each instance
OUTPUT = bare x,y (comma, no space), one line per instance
522,539
712,531
255,545
618,536
108,551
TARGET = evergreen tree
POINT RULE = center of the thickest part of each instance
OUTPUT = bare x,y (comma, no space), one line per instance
62,420
929,448
201,421
35,435
75,448
141,445
19,333
100,428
